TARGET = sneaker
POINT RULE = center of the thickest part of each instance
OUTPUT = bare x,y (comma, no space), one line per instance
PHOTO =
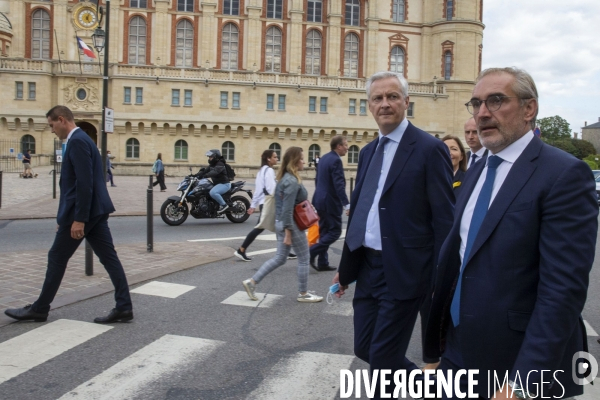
250,287
222,209
242,255
309,297
292,256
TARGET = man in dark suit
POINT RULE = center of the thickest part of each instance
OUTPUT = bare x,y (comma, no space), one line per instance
82,213
476,150
400,214
329,200
513,273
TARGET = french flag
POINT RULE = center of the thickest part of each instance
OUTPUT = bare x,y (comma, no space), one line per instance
86,50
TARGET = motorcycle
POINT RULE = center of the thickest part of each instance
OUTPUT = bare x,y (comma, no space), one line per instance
195,200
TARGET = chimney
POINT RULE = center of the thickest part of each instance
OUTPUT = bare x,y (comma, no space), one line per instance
575,135
598,119
585,123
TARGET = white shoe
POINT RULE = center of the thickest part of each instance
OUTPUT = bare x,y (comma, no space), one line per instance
250,287
309,297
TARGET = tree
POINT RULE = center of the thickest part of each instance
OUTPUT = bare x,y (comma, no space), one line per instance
584,147
554,128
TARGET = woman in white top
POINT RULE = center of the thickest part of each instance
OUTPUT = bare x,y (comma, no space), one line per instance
265,181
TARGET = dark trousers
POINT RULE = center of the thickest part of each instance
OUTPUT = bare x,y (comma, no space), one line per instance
330,230
109,177
382,324
160,179
98,235
446,366
425,309
252,235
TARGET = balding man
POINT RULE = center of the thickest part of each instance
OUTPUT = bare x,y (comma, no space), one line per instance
477,151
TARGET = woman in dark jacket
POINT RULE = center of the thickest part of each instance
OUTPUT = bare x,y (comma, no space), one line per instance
288,192
459,160
218,174
159,170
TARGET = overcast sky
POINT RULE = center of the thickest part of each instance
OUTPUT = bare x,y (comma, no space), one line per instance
558,43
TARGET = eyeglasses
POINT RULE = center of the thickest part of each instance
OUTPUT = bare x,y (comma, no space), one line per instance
492,103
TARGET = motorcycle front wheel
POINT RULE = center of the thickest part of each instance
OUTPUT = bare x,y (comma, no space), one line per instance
239,208
172,214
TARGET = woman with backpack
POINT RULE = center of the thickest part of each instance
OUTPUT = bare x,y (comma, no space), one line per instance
265,184
159,170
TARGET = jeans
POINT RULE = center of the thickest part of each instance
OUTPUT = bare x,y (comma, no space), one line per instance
218,190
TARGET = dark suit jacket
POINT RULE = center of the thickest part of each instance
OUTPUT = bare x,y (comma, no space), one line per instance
415,213
83,193
525,282
330,188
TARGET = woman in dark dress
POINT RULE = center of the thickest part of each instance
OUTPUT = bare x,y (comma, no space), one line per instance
459,160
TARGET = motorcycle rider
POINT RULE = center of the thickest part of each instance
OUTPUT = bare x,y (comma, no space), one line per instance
216,171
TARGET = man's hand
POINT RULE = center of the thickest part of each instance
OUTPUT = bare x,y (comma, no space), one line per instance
250,211
347,212
342,290
77,230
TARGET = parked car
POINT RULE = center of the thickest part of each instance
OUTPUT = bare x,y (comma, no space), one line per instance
596,173
598,187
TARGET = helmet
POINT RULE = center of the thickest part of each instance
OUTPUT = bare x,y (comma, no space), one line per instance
213,153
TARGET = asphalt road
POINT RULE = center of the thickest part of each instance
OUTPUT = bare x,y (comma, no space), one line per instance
211,349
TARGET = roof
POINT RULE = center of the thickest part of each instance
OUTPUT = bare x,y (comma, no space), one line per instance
596,125
5,25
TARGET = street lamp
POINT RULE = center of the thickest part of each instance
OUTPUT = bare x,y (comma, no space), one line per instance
98,38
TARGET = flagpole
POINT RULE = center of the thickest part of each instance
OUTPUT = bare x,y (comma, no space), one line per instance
58,51
79,55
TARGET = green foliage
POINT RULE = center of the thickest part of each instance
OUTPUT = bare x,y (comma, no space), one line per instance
565,145
554,128
595,158
584,147
592,164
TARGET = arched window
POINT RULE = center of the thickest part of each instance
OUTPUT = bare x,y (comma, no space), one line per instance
229,47
277,148
353,154
351,55
447,65
228,151
398,11
313,151
273,50
313,52
314,12
397,60
40,34
352,12
449,9
132,148
137,41
231,7
181,150
185,43
274,8
28,142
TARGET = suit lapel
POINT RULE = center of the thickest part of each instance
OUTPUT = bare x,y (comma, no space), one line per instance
518,176
403,152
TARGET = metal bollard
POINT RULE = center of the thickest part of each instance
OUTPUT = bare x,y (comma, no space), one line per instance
54,183
89,259
0,189
149,218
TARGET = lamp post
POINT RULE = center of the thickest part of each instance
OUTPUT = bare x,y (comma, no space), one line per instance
101,41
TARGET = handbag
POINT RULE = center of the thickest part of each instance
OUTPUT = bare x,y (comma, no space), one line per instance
267,214
305,215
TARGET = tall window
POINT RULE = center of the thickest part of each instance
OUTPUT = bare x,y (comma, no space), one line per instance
28,142
281,105
185,5
277,148
351,55
139,95
398,11
228,151
353,154
363,107
175,97
312,104
181,150
127,95
137,3
185,43
224,99
313,151
274,8
229,47
352,12
410,111
231,7
235,100
447,65
315,11
449,9
19,90
188,97
270,101
40,34
132,148
323,108
137,41
31,94
352,106
273,50
397,60
313,52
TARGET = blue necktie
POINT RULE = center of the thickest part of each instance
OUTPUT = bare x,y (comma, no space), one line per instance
64,149
481,208
356,231
473,159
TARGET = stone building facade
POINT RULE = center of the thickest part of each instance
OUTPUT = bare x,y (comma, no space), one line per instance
591,133
238,75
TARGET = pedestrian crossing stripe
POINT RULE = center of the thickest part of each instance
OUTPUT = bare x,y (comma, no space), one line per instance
131,377
343,308
265,300
163,289
590,331
39,345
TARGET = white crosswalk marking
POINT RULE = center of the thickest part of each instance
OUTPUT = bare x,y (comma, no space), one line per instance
590,331
307,375
340,308
37,346
265,300
130,377
163,289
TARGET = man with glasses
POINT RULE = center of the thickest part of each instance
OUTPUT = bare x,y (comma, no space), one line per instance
513,272
477,151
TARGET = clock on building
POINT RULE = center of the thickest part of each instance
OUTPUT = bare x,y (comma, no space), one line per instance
86,18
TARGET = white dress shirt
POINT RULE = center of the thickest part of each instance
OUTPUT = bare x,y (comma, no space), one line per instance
509,154
478,153
373,231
